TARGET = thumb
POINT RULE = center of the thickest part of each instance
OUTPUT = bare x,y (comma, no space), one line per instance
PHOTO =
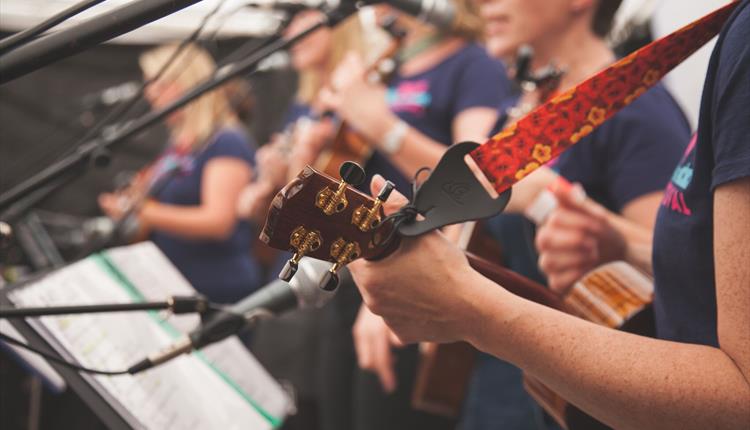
566,193
395,201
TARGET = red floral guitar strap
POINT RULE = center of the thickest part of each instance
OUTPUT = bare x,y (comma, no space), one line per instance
562,121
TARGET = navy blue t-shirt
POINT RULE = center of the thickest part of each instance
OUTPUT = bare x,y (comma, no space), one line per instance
630,155
429,101
222,270
685,297
295,112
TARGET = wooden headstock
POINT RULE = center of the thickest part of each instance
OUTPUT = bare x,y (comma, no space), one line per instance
320,217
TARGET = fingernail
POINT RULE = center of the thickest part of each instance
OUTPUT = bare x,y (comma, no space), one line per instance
560,185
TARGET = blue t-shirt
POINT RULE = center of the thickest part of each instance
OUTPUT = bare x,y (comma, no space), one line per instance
430,100
685,296
630,155
295,112
222,270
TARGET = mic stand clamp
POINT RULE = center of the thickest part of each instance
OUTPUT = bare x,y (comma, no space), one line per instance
215,326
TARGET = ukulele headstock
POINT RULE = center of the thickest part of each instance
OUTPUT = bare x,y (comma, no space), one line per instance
320,217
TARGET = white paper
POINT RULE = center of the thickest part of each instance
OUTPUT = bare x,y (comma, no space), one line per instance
185,393
156,278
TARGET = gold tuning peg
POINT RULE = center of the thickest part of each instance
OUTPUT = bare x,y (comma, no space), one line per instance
342,252
367,219
303,241
334,201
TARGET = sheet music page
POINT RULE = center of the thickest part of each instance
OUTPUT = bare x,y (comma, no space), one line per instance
154,276
182,394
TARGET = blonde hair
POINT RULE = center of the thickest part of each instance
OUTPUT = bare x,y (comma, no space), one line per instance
346,36
192,66
468,23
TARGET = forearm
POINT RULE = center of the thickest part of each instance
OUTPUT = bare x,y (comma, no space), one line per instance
416,150
625,380
638,242
193,222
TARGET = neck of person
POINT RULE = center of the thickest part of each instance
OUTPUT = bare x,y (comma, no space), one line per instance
578,51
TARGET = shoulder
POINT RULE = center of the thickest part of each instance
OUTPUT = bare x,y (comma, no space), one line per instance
724,113
739,28
474,55
734,61
230,142
480,77
468,58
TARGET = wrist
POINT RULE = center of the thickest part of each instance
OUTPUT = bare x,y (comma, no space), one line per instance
394,138
145,214
383,124
484,305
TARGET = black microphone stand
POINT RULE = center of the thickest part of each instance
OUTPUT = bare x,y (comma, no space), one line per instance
174,304
78,159
22,37
48,49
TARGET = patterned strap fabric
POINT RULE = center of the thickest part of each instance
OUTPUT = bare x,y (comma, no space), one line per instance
561,122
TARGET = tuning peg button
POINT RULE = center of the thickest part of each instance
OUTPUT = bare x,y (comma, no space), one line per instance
329,281
352,173
386,191
288,271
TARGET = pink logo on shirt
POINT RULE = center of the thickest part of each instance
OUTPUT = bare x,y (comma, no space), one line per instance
410,96
674,195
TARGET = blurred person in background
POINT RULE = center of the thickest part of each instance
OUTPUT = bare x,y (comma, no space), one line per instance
289,345
192,216
445,90
623,165
693,374
306,128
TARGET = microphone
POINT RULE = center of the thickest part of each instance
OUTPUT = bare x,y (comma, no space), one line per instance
111,95
288,7
6,234
523,64
272,299
440,13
